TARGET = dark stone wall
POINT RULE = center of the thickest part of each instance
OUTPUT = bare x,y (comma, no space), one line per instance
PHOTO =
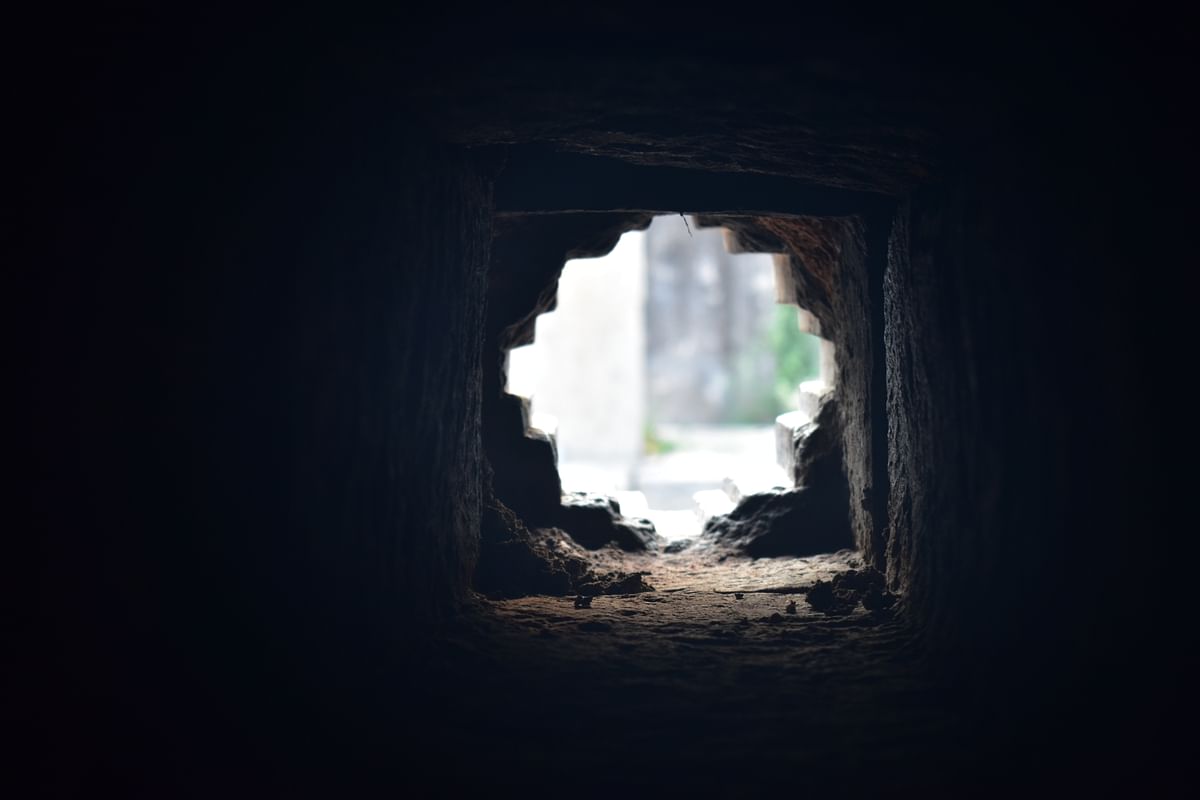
255,295
389,379
1023,478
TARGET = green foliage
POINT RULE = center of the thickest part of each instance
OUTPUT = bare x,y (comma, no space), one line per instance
797,354
651,442
752,397
769,370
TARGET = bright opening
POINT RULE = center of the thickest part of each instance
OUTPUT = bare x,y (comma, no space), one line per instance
670,375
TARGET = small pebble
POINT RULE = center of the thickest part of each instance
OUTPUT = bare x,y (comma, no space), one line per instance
791,607
738,595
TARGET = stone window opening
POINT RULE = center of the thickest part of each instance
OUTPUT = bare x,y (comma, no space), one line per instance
673,378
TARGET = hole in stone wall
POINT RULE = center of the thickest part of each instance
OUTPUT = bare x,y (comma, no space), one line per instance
673,375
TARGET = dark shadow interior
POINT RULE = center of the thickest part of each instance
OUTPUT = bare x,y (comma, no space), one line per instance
285,532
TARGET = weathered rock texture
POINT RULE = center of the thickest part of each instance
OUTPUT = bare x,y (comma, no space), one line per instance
595,520
818,457
517,562
803,521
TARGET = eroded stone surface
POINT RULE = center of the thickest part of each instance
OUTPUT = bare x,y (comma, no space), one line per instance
711,669
801,521
516,561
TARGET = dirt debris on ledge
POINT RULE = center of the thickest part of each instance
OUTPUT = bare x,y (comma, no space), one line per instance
847,590
715,660
704,586
516,561
704,601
